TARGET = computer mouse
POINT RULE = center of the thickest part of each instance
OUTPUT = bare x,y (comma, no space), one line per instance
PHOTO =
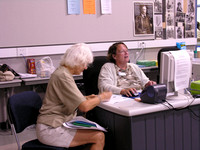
134,94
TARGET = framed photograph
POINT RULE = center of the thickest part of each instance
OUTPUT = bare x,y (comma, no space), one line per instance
143,18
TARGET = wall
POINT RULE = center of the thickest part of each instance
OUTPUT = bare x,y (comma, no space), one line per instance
43,28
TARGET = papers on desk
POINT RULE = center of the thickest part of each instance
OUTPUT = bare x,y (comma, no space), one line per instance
118,98
82,123
27,75
182,69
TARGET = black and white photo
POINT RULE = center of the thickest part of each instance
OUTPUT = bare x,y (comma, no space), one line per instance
143,18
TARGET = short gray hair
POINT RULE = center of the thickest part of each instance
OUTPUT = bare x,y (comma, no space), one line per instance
76,55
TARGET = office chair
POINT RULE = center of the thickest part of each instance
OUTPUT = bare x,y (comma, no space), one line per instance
23,109
172,48
90,76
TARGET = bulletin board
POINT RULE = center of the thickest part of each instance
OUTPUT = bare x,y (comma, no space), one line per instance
42,22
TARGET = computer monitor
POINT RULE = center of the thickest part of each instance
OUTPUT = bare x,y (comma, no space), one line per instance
175,70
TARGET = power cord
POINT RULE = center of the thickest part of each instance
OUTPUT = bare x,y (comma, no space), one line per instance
25,61
170,106
194,114
188,97
140,53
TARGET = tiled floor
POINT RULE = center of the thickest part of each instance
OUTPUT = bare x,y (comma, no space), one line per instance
7,140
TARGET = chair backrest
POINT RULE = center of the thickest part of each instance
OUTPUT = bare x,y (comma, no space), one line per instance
173,48
23,109
90,76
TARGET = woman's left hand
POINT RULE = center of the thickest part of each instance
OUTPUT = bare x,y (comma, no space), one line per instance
150,83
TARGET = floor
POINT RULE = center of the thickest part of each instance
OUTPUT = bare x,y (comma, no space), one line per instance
8,142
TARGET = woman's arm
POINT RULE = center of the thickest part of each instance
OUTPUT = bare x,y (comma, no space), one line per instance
94,100
107,79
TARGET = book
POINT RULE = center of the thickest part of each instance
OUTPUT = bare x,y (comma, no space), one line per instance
80,122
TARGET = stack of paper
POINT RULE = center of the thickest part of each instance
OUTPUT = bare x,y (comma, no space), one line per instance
27,75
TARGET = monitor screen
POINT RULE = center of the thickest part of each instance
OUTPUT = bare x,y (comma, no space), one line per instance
175,70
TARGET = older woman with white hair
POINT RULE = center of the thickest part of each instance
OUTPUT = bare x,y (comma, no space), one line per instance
63,99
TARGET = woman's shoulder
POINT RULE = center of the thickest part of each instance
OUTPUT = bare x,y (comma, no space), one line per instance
133,65
108,64
61,73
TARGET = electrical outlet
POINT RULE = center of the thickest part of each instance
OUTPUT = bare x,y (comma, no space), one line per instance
141,44
21,51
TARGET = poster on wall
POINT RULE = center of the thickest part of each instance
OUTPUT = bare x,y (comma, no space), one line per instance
179,32
143,18
179,19
190,19
158,6
158,19
170,22
164,19
170,32
158,26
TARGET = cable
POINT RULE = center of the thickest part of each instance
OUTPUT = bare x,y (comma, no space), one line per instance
139,55
198,116
188,97
171,106
25,61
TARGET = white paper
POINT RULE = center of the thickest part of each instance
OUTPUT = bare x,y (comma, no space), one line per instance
27,75
182,69
117,98
73,7
106,7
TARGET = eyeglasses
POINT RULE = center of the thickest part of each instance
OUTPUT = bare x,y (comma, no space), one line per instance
123,51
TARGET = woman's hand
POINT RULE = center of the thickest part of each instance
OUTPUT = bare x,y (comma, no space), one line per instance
90,96
94,100
128,91
150,83
105,96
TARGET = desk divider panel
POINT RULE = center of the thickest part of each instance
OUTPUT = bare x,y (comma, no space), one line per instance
165,130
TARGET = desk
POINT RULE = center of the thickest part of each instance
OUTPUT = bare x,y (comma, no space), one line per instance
9,84
135,125
8,88
149,69
38,81
35,81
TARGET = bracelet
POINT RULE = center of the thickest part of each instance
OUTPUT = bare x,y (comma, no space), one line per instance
99,98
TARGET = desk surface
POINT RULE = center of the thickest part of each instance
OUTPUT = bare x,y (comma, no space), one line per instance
9,84
34,81
38,80
151,68
133,108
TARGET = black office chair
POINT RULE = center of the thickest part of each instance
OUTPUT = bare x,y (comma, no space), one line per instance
90,76
172,48
23,109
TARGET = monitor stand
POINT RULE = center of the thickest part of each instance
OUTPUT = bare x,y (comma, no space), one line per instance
177,95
